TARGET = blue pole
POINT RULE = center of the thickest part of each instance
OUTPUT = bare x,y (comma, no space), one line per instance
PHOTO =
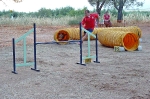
96,50
14,61
80,45
35,67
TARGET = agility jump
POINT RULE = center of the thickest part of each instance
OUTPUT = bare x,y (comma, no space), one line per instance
88,57
25,63
33,30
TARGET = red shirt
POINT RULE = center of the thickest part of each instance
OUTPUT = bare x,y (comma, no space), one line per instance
95,15
106,17
89,21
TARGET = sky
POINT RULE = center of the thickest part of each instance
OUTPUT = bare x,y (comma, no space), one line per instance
35,5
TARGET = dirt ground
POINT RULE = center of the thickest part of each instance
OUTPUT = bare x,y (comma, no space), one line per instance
119,75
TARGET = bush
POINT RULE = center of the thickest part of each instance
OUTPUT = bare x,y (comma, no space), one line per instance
75,21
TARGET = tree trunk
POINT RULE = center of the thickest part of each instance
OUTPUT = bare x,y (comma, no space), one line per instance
120,15
99,6
98,11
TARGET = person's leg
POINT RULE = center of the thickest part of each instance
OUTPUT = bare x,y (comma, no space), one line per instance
84,37
105,22
110,25
86,34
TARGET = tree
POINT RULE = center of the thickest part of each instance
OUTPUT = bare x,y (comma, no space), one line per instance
43,12
99,4
17,1
119,4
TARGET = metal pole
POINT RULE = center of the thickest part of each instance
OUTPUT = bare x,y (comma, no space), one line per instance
35,68
80,46
14,61
96,51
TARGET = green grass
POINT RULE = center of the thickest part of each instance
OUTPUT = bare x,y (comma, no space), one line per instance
63,21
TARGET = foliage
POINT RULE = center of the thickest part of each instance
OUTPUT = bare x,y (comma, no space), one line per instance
64,16
118,4
75,21
17,1
43,12
98,4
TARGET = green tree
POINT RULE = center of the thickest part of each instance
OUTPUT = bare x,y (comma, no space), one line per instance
120,4
17,1
64,11
98,4
43,12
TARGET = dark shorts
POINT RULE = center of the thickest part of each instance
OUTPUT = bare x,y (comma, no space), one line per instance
90,30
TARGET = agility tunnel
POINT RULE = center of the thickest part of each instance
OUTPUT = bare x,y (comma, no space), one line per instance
73,33
133,29
128,40
67,34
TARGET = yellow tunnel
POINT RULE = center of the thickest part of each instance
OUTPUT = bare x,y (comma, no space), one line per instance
133,29
73,33
129,40
128,37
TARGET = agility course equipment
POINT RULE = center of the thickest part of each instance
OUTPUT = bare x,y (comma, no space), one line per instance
128,40
25,63
89,56
66,40
63,38
68,34
132,29
72,33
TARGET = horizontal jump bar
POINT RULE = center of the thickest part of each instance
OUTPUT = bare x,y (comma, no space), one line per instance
58,42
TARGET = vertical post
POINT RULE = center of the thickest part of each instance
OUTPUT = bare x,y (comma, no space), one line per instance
35,68
14,61
96,51
80,44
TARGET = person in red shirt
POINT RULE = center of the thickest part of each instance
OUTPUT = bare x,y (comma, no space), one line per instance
89,22
107,20
96,16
